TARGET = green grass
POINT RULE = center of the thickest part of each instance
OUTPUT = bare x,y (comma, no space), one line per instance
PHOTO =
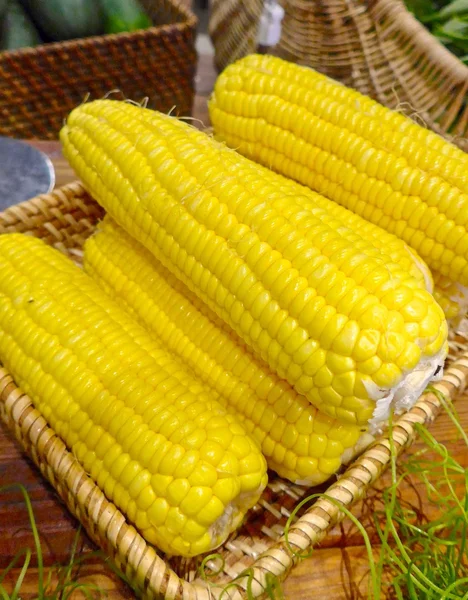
426,558
66,576
420,558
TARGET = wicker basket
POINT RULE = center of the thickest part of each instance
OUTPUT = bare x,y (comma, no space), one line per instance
39,86
375,46
65,219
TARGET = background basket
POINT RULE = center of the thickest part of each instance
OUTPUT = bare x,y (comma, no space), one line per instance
375,46
65,219
39,86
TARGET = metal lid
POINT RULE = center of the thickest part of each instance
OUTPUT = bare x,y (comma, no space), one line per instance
25,172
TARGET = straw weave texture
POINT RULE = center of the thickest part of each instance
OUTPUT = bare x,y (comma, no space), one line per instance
40,86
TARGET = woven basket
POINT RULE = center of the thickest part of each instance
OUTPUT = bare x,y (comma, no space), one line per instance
375,46
65,219
40,86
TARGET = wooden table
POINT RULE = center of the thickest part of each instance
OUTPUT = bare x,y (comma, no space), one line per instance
337,571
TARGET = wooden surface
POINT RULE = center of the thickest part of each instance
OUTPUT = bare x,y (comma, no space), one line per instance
338,570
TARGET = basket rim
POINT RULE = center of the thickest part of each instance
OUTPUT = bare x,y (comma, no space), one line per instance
434,48
414,28
189,21
143,561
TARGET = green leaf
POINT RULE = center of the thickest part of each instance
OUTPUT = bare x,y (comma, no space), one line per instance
456,30
116,24
457,7
421,9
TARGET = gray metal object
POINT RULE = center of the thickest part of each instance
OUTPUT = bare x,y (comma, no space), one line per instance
25,172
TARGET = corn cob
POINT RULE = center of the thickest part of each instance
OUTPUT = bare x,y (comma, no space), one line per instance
452,297
451,308
403,260
162,449
369,159
298,441
330,316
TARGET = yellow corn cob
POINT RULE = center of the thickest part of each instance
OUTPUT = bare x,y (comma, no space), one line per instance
334,318
168,455
298,441
451,309
403,260
371,160
452,297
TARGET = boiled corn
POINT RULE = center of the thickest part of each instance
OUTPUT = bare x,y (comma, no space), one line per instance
452,297
162,449
298,441
371,160
329,316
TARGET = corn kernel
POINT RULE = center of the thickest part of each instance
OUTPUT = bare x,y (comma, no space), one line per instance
195,500
203,474
210,512
226,490
175,520
158,511
176,491
328,465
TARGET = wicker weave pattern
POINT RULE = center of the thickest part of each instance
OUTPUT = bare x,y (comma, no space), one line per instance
65,219
375,46
40,86
233,29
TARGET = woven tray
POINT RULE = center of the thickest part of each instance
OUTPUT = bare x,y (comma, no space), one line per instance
65,219
375,46
40,86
